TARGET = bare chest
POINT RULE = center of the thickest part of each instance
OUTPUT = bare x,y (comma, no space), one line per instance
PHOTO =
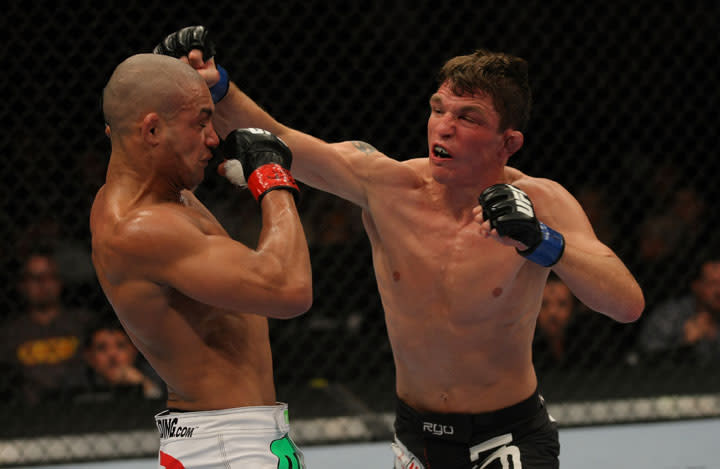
429,261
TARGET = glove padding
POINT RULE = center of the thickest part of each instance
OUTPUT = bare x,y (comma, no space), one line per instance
259,160
180,43
511,213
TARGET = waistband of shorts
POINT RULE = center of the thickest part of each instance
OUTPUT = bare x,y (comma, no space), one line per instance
188,424
473,422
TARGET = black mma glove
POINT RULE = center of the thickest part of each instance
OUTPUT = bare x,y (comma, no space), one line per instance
180,43
511,213
260,160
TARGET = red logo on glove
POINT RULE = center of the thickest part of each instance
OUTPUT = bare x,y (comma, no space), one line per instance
269,176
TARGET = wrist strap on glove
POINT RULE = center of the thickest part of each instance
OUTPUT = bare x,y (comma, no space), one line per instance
220,89
549,250
269,177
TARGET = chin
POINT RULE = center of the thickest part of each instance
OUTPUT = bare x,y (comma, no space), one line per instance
196,182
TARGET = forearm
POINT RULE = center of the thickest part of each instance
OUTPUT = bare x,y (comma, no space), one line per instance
312,157
601,281
238,110
282,241
563,240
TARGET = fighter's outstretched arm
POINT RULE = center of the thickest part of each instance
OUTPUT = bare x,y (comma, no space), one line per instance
338,168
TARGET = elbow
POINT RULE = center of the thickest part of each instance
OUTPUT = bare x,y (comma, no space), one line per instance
301,302
632,310
296,301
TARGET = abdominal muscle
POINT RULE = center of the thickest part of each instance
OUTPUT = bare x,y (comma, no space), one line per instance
462,337
450,371
209,359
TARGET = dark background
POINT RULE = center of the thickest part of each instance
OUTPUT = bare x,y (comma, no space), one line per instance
625,102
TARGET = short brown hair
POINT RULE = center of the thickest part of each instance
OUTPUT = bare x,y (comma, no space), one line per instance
502,76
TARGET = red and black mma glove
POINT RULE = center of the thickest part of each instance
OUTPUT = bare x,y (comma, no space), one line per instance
259,160
180,43
511,213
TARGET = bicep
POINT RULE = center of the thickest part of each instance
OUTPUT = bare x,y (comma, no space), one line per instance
212,269
224,273
558,209
341,169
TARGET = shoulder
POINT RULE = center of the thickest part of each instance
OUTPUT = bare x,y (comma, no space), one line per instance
553,203
538,189
378,167
362,154
364,147
153,233
149,222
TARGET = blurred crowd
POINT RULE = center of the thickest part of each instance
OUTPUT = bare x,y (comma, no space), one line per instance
52,350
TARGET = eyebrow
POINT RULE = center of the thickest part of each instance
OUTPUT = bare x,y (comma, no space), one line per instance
437,99
476,109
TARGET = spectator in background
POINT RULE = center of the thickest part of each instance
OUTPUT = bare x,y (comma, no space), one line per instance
669,239
594,201
114,366
557,312
569,335
690,324
40,347
673,226
71,255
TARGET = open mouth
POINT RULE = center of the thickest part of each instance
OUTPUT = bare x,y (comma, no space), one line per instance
441,152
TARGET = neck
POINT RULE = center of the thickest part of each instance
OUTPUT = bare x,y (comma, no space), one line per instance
461,199
141,181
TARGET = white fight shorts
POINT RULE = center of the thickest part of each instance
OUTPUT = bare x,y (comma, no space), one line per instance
243,437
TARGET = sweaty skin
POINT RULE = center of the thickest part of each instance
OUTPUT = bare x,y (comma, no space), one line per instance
460,303
193,300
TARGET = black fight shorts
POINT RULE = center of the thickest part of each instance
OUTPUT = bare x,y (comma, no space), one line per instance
522,436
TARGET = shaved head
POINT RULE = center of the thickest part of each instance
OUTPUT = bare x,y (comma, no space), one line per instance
146,83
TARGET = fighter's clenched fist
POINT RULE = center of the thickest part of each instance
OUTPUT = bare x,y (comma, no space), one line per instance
180,43
511,213
258,159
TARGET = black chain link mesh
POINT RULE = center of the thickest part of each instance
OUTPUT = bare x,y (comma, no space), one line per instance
625,116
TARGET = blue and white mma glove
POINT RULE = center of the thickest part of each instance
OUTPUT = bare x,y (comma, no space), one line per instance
511,213
180,43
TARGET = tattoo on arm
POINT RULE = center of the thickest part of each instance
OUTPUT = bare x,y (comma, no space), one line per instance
364,147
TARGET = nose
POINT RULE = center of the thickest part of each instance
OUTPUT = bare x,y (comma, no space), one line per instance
446,124
212,140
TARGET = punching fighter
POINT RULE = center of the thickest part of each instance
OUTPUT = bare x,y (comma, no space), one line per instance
462,246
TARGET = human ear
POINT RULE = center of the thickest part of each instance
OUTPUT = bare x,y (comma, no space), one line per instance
514,140
149,128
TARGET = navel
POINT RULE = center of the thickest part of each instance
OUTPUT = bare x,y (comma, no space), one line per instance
396,275
497,291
